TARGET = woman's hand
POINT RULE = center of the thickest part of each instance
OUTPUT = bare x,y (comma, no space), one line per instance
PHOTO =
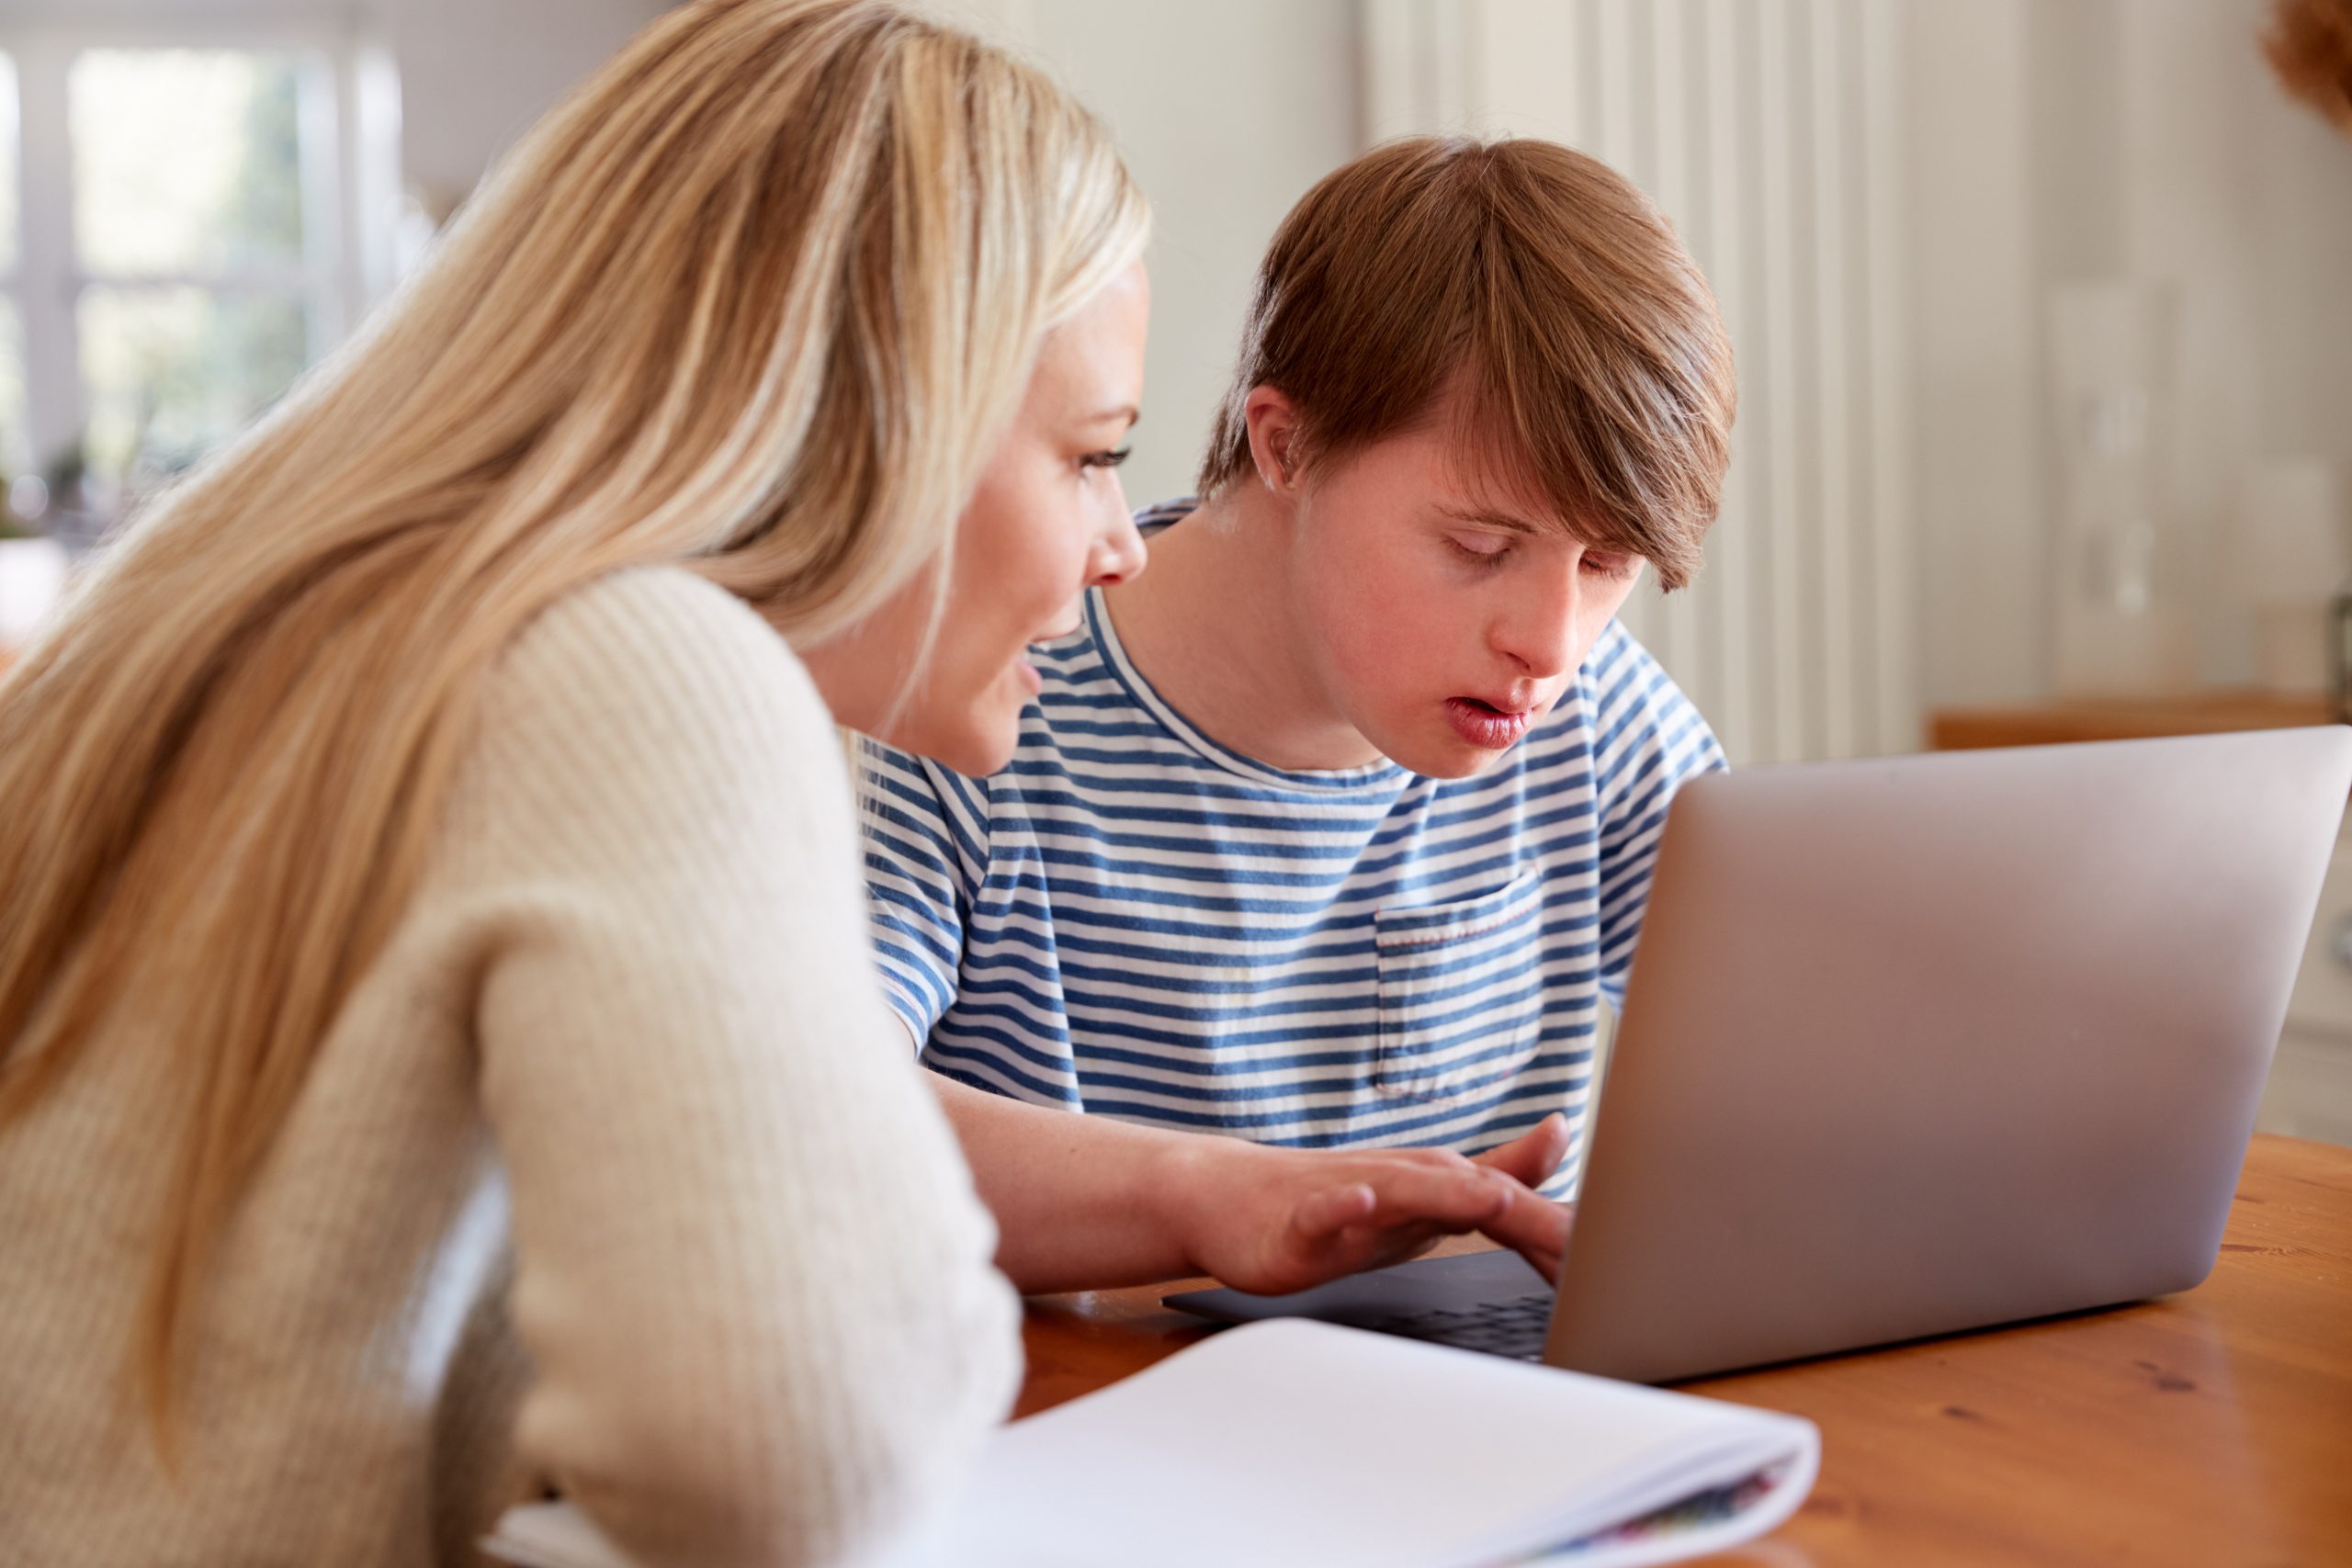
1271,1220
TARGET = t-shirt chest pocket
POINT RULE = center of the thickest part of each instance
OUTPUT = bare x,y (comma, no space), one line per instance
1461,990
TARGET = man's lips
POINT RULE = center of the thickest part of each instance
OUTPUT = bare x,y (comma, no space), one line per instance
1487,726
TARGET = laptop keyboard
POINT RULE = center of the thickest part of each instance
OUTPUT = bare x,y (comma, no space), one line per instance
1514,1327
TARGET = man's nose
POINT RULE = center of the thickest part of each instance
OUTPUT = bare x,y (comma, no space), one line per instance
1537,631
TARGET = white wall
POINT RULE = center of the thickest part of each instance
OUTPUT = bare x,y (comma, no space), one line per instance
1976,448
2245,200
2060,140
132,12
475,73
1227,110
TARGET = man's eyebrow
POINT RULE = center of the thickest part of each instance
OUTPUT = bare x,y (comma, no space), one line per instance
1486,519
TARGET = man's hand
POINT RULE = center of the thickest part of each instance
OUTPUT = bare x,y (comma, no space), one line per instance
1271,1220
1538,1228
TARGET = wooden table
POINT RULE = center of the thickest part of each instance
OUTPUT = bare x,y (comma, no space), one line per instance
2123,718
2212,1428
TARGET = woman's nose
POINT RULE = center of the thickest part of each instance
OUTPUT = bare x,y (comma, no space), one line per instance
1119,551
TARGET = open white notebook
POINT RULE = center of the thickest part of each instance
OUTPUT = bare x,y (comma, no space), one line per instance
1290,1443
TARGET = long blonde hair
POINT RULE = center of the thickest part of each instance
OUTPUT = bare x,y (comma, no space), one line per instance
755,300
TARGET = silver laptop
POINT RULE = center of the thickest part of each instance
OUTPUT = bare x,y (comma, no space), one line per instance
1913,1047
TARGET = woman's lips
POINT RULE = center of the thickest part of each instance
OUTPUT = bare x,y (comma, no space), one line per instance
1484,726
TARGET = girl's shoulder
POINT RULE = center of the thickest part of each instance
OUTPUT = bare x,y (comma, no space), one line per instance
659,639
650,681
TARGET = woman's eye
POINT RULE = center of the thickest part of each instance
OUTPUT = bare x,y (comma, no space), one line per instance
1106,459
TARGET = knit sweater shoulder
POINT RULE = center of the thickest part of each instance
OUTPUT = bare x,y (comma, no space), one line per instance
611,1175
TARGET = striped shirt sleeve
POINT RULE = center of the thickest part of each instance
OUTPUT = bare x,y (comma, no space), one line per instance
1647,741
925,833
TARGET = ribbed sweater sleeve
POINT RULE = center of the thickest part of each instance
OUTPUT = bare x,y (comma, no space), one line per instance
752,1272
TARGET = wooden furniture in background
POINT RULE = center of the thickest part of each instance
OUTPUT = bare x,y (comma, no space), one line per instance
2212,1427
2046,724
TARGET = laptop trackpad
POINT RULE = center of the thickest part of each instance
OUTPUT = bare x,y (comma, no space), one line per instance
1426,1284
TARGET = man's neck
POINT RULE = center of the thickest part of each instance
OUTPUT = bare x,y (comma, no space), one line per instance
1212,626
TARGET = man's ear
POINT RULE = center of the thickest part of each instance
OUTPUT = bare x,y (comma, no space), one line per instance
1274,445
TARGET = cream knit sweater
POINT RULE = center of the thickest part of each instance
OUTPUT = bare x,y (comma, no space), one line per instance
614,1172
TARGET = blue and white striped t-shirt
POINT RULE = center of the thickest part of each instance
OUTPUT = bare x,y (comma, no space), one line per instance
1131,920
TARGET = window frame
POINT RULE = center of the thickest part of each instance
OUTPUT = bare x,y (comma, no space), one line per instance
11,277
350,172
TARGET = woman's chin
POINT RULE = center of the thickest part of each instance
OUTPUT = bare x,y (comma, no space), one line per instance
977,748
991,731
983,759
975,736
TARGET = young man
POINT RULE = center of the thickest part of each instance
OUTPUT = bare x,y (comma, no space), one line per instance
1331,831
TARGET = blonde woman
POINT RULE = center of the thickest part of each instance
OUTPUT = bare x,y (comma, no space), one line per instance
418,841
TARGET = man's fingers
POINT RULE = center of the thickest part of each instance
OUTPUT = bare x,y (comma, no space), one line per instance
1459,1197
1531,1157
1330,1209
1534,1227
1398,1202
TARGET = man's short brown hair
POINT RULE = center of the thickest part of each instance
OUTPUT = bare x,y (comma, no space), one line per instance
1539,283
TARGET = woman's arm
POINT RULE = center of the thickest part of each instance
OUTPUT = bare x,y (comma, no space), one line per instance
752,1272
1088,1203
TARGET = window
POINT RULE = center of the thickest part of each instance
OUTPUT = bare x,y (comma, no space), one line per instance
16,440
196,249
181,234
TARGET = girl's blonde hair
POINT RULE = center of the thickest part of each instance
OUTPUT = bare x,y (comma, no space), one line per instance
756,300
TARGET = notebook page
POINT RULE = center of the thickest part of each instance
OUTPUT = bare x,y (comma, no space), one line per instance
1291,1442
